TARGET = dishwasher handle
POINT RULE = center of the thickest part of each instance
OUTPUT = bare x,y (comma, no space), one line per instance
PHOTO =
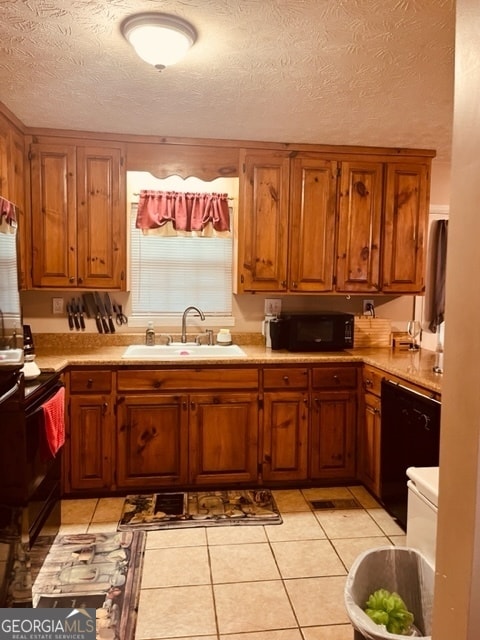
417,393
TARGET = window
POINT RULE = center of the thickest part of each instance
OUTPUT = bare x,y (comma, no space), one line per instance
168,274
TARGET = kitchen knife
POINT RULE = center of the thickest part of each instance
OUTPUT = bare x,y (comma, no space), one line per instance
108,307
70,317
92,310
80,310
76,319
101,310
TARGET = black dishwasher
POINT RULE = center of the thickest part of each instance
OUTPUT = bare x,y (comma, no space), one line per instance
410,437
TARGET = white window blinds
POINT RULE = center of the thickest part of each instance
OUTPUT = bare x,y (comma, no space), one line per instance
167,274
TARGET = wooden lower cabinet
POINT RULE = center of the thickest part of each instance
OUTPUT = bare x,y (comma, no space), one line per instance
223,442
90,443
285,436
152,441
369,443
332,435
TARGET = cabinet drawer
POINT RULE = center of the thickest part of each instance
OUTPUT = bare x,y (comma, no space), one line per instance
168,379
87,380
334,377
287,378
372,380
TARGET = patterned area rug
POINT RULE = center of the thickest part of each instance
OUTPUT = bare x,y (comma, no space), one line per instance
98,570
199,509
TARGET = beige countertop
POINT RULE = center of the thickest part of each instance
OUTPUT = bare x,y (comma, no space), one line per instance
58,351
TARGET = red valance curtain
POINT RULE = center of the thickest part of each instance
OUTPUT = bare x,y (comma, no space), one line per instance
176,213
8,217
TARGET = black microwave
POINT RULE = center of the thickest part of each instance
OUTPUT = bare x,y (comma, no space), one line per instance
322,331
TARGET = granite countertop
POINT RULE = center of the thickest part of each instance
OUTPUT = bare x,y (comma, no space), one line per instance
54,352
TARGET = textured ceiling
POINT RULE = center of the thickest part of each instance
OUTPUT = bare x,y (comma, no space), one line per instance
368,72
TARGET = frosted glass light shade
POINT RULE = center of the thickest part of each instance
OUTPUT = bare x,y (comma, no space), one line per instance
159,39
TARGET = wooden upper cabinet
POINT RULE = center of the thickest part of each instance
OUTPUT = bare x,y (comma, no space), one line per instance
404,239
101,218
263,221
359,227
78,216
312,224
54,219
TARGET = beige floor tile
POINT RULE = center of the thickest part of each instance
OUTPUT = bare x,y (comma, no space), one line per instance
348,523
242,563
253,606
282,634
102,527
326,493
398,541
364,497
164,538
68,529
349,548
298,525
290,500
241,534
175,567
307,558
337,632
175,612
318,601
78,511
386,522
108,510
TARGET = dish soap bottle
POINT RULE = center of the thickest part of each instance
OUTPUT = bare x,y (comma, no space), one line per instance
150,335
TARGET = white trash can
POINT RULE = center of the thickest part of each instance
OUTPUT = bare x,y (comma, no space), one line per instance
400,569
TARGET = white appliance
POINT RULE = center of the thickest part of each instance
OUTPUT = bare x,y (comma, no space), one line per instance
422,511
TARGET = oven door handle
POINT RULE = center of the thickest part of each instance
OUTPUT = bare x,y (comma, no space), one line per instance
12,391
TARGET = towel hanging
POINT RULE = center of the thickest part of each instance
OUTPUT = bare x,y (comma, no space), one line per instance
439,261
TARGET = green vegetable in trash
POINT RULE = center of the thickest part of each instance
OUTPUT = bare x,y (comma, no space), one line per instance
389,609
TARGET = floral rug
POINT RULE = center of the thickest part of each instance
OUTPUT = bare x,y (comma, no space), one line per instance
199,509
95,570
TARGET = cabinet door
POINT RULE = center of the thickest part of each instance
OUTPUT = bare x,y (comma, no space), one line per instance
332,436
312,224
54,224
360,217
263,222
102,218
90,455
223,438
369,444
285,436
406,213
152,441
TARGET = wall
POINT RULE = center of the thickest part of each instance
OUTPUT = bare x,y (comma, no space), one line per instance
457,584
248,309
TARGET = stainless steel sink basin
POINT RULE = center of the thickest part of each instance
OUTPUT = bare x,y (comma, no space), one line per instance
179,351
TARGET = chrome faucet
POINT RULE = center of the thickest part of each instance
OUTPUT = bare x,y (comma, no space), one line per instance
184,321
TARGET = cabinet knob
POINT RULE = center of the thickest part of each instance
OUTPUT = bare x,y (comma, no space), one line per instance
285,379
71,279
294,285
80,280
368,382
105,408
284,284
90,383
336,379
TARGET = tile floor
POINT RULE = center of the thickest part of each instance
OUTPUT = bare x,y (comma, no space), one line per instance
275,582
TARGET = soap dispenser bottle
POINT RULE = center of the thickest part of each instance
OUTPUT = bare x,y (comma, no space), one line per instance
150,335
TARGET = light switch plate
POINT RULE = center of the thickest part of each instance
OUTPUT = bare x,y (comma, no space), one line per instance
57,306
273,306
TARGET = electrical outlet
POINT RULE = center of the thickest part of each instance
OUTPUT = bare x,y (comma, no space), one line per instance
273,306
57,306
368,307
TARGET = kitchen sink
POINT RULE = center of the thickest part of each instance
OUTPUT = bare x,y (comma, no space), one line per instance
178,350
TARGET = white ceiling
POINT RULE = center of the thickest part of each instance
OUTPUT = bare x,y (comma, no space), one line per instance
367,72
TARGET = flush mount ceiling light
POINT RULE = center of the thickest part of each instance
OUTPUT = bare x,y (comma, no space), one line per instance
158,38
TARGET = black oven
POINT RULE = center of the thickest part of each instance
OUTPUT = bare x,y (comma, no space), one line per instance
30,483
